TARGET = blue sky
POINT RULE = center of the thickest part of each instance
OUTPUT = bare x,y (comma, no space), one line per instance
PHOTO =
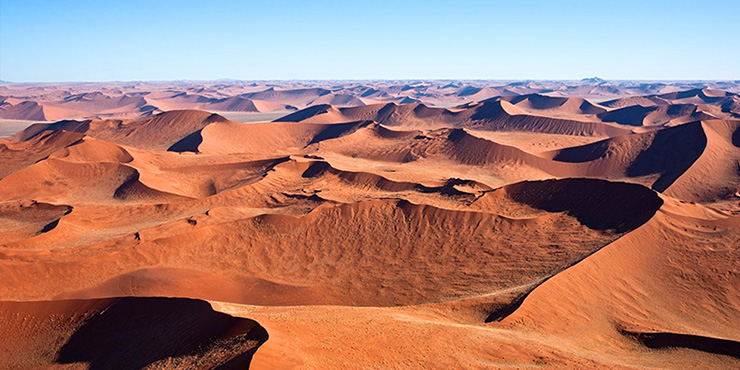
272,39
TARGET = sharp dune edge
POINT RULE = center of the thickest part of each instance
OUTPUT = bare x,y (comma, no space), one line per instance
385,225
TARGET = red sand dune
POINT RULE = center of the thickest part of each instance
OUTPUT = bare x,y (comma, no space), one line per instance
45,102
157,132
98,334
515,231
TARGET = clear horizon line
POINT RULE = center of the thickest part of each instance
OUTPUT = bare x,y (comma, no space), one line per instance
371,79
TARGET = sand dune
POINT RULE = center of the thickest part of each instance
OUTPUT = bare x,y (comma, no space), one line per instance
497,115
554,105
295,97
427,238
97,333
714,176
627,288
45,102
529,227
659,157
692,96
17,155
280,138
672,115
157,132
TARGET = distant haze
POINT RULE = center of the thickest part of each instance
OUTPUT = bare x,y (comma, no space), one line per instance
207,40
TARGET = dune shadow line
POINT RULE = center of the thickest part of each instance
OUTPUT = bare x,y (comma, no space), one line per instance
134,332
695,342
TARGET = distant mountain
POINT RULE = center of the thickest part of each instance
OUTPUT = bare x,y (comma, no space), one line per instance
593,80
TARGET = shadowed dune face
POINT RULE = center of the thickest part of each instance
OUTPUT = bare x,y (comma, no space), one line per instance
21,220
126,333
736,137
489,228
669,152
699,343
678,148
594,203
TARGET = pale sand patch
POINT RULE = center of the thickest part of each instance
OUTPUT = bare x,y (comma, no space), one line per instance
250,117
8,127
533,142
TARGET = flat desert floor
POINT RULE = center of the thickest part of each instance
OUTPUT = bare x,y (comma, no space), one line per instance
385,224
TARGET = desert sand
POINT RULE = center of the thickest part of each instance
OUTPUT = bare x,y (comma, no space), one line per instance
386,224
